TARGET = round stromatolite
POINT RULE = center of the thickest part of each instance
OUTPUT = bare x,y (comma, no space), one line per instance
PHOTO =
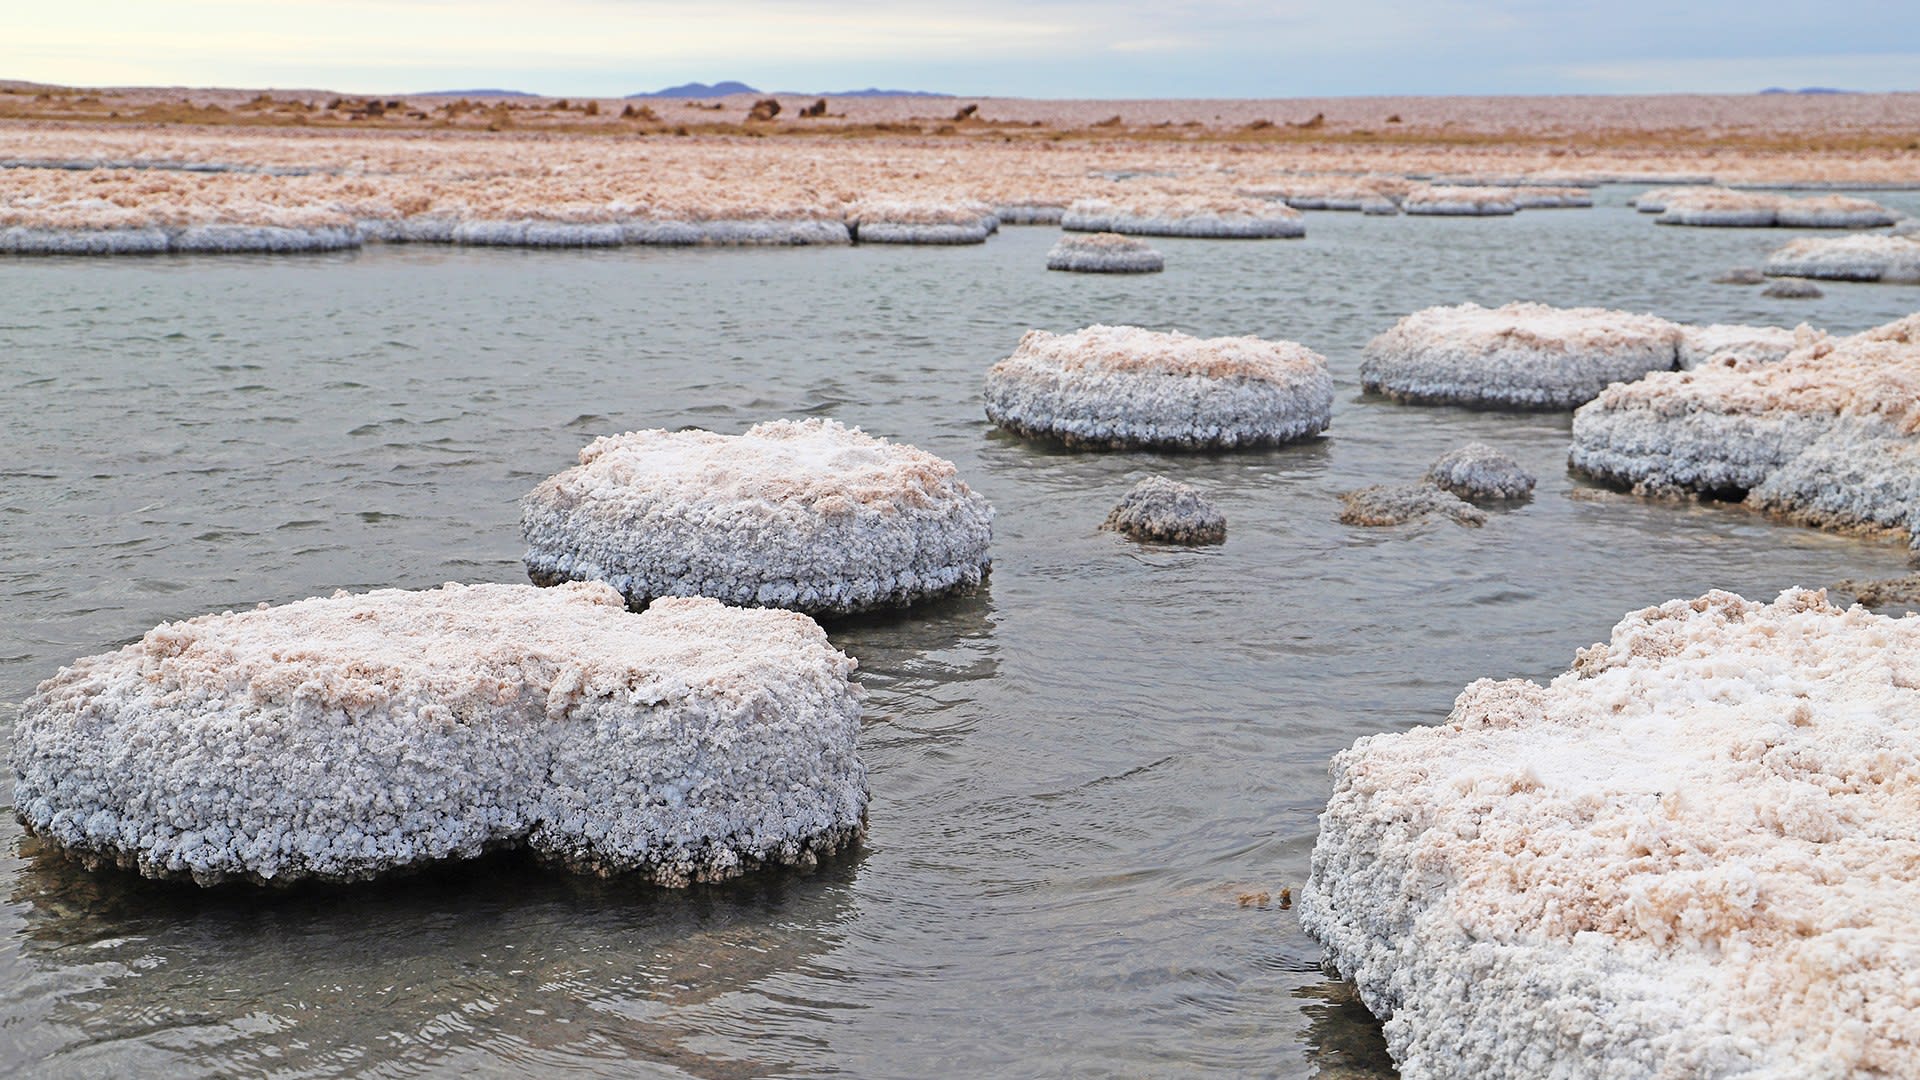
1104,253
1520,356
1167,511
338,739
1113,387
810,515
1478,471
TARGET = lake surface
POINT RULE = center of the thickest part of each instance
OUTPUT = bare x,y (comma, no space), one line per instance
1075,772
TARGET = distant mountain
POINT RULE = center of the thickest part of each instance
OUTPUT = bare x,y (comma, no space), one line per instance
473,93
699,90
1807,90
875,92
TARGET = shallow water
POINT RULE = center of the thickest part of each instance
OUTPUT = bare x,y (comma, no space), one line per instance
1075,772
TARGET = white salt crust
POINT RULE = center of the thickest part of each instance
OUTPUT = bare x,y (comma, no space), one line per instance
1826,436
1195,216
177,240
899,222
1396,504
1692,855
1552,198
1849,258
1446,201
810,515
1166,511
1104,253
339,739
525,232
1111,387
1760,344
1755,209
1527,356
1029,213
1478,471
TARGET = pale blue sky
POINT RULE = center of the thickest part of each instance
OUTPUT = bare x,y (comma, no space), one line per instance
1033,48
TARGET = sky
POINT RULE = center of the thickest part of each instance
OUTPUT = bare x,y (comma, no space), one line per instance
1022,48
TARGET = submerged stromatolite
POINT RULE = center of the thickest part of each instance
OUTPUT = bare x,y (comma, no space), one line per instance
810,515
1167,511
1519,356
1122,386
1396,504
339,739
1690,855
1104,253
1478,471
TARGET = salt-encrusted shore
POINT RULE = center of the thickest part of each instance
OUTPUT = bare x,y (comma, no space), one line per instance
1104,253
1527,356
1869,257
1195,215
339,739
1111,387
1478,471
810,515
1690,855
1166,511
1826,436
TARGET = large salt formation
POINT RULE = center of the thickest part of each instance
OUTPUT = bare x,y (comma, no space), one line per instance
810,515
1112,387
1222,218
338,739
1104,253
1826,436
1691,855
1519,356
1451,201
1755,209
1849,258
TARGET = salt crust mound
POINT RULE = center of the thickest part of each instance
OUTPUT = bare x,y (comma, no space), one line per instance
1029,213
338,739
1396,504
1449,201
1760,344
1112,387
1527,356
902,222
1552,198
1220,218
1478,471
1373,195
1655,201
810,515
1166,511
1848,258
1690,855
1826,436
1104,253
1723,207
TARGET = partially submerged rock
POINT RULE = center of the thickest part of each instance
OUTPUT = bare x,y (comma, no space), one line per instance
1849,258
1527,356
1743,275
1104,253
1901,593
1397,504
1121,386
1169,512
810,515
1826,436
1219,218
1760,344
1792,289
1690,855
339,739
1478,471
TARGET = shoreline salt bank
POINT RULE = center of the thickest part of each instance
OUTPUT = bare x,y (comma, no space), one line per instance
810,515
343,738
1829,436
1692,854
1116,387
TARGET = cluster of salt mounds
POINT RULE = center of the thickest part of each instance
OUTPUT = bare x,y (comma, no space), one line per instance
1478,471
1121,386
1518,356
1446,201
896,222
1169,512
809,514
341,738
1691,855
1849,258
1186,215
1104,253
1760,344
1829,436
1396,504
1754,209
